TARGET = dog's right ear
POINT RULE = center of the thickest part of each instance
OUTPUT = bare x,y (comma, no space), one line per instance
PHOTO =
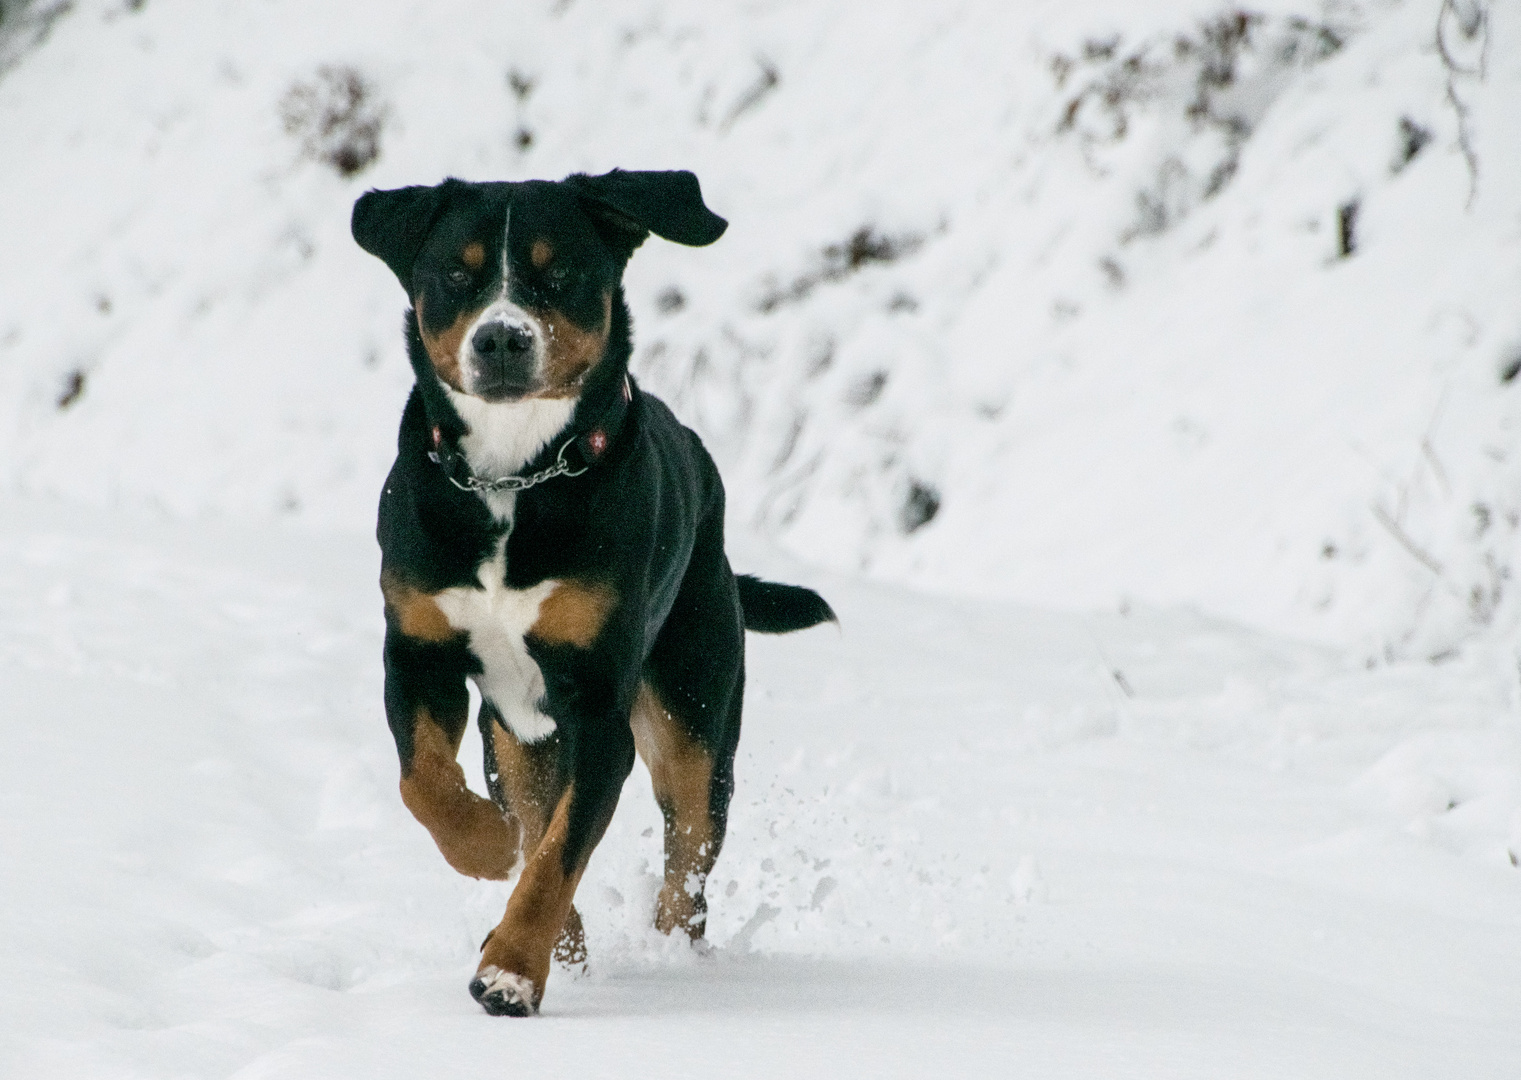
392,225
634,204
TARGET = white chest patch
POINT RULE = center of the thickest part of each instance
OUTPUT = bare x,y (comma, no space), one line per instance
497,618
504,436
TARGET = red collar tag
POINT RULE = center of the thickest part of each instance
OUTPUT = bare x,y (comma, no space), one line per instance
598,441
438,438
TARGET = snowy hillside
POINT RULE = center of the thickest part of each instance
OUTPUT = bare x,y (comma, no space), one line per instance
1044,300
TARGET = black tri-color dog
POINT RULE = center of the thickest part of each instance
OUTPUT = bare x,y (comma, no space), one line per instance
553,533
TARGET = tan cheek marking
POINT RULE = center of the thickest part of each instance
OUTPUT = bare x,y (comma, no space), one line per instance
540,254
474,255
443,346
571,352
414,612
574,614
472,833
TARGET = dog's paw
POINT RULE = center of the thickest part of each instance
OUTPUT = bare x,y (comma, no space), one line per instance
502,993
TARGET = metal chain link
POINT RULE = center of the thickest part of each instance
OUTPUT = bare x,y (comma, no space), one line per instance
561,467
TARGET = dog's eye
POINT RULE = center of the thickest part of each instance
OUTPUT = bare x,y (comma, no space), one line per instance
559,275
459,278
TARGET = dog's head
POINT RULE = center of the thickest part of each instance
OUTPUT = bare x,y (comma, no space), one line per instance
513,284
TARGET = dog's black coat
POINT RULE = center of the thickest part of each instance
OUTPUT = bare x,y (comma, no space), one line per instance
643,524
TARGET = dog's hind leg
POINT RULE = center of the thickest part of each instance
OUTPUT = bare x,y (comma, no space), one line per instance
682,773
686,727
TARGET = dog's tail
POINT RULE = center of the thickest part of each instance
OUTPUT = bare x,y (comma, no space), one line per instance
772,608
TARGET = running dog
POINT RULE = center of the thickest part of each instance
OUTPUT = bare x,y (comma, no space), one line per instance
551,531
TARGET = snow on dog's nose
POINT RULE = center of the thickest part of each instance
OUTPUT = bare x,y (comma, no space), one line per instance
502,362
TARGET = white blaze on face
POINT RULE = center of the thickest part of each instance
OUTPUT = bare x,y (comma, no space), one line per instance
504,436
501,310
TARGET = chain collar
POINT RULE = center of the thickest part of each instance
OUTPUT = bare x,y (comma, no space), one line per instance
591,446
471,482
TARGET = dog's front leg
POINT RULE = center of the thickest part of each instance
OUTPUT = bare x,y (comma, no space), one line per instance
428,707
515,959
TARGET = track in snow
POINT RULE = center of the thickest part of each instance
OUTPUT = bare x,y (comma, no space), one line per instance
958,846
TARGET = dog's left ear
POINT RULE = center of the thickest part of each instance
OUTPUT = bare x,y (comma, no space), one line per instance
635,204
392,225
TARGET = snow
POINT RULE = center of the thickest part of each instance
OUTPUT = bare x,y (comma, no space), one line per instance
1174,722
957,844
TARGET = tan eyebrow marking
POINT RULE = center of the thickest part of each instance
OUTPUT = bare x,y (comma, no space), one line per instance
474,255
540,253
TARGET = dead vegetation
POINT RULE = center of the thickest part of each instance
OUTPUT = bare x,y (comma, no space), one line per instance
337,117
1219,78
767,80
920,506
670,300
26,24
1413,138
1346,228
522,86
864,247
1462,41
73,389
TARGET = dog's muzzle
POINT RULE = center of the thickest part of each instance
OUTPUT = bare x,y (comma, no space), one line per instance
503,361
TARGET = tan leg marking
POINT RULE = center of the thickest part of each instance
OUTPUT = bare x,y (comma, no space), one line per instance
571,352
530,783
474,255
414,612
443,345
474,835
539,908
574,613
682,773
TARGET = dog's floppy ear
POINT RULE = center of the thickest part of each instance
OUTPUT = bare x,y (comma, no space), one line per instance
392,225
635,204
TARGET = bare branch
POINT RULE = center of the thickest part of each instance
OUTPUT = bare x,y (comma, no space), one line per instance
1469,21
1420,554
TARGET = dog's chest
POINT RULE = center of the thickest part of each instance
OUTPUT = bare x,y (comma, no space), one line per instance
497,619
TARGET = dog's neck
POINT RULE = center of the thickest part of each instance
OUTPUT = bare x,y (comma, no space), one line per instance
499,438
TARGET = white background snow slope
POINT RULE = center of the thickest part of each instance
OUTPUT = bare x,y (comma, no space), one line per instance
1043,306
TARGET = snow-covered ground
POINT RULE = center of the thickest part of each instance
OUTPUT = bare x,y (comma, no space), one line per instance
1137,377
959,847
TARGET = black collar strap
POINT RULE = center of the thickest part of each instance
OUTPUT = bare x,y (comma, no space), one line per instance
590,446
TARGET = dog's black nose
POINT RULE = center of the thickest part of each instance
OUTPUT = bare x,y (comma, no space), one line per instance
503,360
499,341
